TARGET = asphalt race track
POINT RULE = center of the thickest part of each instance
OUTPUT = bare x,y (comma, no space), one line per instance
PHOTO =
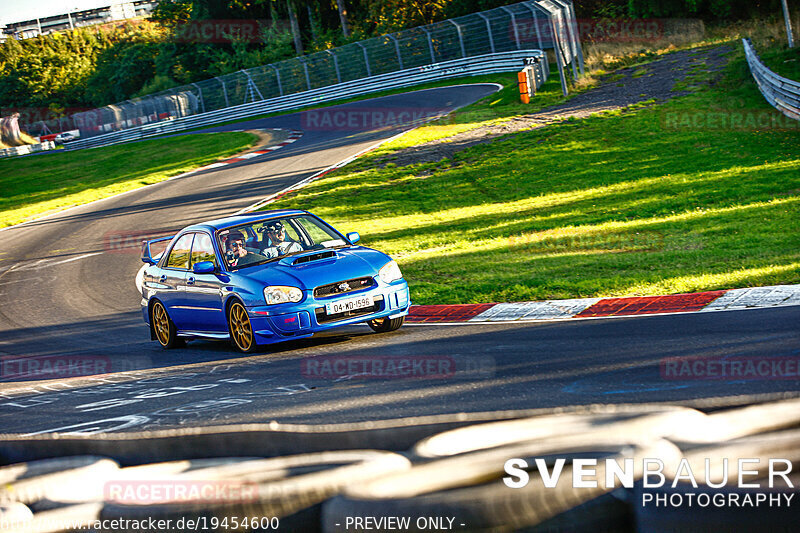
68,295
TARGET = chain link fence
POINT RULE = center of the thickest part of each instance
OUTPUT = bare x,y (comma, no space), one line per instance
539,24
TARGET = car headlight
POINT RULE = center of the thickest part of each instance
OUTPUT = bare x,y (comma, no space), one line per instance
390,272
281,295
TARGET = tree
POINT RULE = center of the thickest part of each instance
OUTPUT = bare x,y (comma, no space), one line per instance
172,13
298,43
343,17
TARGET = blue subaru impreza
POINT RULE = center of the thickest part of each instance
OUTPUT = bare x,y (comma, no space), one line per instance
267,277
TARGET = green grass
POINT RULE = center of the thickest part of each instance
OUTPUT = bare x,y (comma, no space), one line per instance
783,61
654,200
38,184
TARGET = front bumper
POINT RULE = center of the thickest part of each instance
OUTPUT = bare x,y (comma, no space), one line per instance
275,323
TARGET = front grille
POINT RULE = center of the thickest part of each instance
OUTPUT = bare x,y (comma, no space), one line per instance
323,318
335,289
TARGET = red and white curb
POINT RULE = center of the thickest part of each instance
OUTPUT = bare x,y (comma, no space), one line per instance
581,308
293,137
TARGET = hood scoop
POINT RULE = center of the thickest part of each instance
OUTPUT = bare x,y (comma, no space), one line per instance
327,254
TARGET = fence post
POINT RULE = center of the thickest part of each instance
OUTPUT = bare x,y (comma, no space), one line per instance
202,103
430,43
396,47
366,58
251,85
572,48
278,75
576,36
336,66
488,30
513,24
559,55
224,91
788,23
460,37
305,69
534,13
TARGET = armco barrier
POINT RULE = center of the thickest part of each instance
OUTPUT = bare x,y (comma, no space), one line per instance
782,93
471,66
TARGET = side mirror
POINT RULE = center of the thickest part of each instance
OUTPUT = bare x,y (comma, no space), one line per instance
353,237
203,267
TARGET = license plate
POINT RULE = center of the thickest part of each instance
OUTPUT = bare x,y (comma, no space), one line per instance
350,304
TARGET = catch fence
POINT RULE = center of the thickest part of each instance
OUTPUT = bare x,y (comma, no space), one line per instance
530,25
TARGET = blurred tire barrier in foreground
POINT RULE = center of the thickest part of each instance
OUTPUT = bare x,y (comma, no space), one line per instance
453,473
27,149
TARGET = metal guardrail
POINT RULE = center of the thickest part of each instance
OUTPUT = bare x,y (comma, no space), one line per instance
782,93
471,66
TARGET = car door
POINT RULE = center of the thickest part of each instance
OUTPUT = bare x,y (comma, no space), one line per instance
172,279
204,291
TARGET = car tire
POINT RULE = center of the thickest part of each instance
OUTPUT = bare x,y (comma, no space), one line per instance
240,329
384,325
164,328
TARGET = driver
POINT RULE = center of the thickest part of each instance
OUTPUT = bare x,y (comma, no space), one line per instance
278,242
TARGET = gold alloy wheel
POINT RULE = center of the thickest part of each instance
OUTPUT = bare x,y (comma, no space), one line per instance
161,323
241,331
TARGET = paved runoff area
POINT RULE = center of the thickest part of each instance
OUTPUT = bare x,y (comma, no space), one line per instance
579,308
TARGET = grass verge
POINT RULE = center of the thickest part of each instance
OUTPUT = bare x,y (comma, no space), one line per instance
700,193
35,185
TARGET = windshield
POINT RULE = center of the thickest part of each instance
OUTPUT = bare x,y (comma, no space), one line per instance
273,238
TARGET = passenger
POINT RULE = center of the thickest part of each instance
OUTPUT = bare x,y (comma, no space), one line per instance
278,243
237,254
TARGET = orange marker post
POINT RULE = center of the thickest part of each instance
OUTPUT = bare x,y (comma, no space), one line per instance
522,81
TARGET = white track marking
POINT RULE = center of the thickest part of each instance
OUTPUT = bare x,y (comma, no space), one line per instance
45,263
756,297
547,310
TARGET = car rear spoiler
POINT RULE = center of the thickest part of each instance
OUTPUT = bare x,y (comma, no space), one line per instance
146,254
